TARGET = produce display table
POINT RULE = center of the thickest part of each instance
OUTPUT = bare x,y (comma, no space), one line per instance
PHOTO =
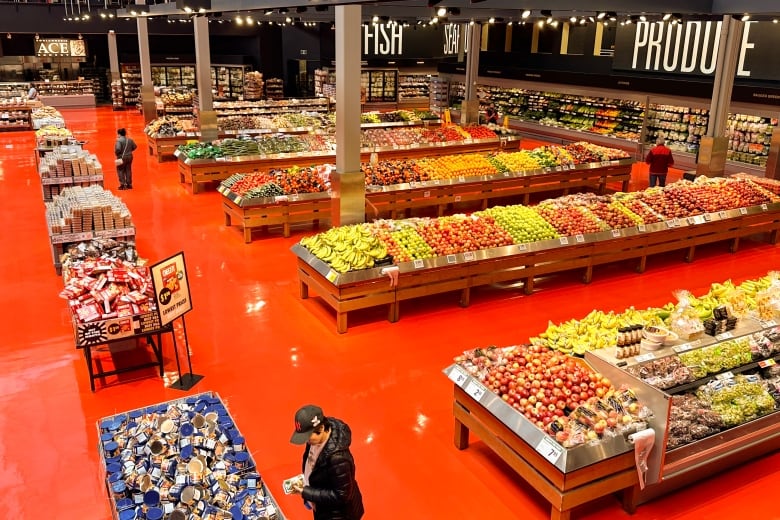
59,242
460,272
563,490
199,172
399,199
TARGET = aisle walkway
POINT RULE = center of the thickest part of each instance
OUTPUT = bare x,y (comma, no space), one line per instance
266,352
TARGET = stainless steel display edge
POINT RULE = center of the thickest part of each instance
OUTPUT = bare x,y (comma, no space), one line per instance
571,134
570,459
655,400
498,176
114,511
520,249
266,201
419,122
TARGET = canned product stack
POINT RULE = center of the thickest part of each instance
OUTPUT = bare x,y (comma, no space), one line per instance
184,459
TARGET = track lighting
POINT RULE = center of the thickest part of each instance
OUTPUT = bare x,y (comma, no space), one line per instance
666,17
745,17
441,11
601,15
525,14
573,19
375,18
491,20
268,12
642,18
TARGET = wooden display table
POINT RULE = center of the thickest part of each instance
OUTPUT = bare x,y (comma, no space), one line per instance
564,491
399,199
524,262
200,172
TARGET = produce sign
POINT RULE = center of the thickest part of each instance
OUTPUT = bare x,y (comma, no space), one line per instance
185,456
572,215
560,395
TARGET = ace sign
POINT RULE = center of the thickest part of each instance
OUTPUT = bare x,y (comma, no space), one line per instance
171,288
60,47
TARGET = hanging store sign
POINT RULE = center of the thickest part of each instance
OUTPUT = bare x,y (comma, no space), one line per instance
67,48
393,40
455,35
691,48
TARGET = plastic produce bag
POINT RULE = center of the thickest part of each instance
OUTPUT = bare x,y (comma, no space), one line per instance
684,320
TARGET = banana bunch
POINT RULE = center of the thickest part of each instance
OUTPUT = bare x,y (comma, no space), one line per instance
346,248
595,331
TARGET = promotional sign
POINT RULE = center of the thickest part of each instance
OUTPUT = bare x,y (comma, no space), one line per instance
100,332
691,48
60,47
171,288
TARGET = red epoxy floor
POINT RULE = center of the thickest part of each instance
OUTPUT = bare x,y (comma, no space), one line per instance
266,352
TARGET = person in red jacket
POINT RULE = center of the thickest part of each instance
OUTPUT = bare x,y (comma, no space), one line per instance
659,158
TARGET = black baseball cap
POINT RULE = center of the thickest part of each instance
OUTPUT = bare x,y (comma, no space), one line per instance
306,420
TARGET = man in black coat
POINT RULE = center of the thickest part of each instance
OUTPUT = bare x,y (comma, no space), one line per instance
329,486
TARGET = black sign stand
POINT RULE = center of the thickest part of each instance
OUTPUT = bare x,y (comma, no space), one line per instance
188,380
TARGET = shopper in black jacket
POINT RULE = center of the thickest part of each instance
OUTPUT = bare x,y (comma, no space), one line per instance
329,485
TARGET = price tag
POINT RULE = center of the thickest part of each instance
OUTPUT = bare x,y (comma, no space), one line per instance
458,375
452,259
419,264
280,198
724,376
722,214
766,363
549,449
475,390
564,241
579,238
331,276
458,198
685,347
522,247
691,220
743,211
469,256
670,223
461,178
506,174
546,170
557,168
724,336
615,233
764,207
436,182
641,228
769,323
426,194
707,217
644,357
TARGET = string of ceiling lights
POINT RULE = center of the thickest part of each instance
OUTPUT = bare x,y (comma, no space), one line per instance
439,14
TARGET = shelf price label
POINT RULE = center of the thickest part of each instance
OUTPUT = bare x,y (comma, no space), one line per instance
475,389
426,194
769,324
549,449
458,375
458,198
766,363
687,346
644,357
452,259
461,178
743,211
436,182
670,223
641,228
725,376
615,233
579,238
722,214
506,174
332,276
564,241
764,207
724,336
469,256
691,220
419,264
707,217
522,247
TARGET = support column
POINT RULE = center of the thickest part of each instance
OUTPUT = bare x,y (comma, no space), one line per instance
147,87
113,57
348,202
469,110
773,162
207,117
714,145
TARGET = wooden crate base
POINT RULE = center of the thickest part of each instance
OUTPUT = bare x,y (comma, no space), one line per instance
283,213
564,491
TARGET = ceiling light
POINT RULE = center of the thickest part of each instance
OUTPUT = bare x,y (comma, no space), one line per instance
573,19
550,19
288,20
591,19
435,19
540,23
583,21
441,11
238,20
491,20
282,10
612,15
249,20
268,12
525,14
554,23
642,18
774,21
601,15
85,17
745,17
8,36
375,18
666,17
510,23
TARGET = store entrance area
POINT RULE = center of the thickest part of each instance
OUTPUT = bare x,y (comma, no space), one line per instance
267,352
